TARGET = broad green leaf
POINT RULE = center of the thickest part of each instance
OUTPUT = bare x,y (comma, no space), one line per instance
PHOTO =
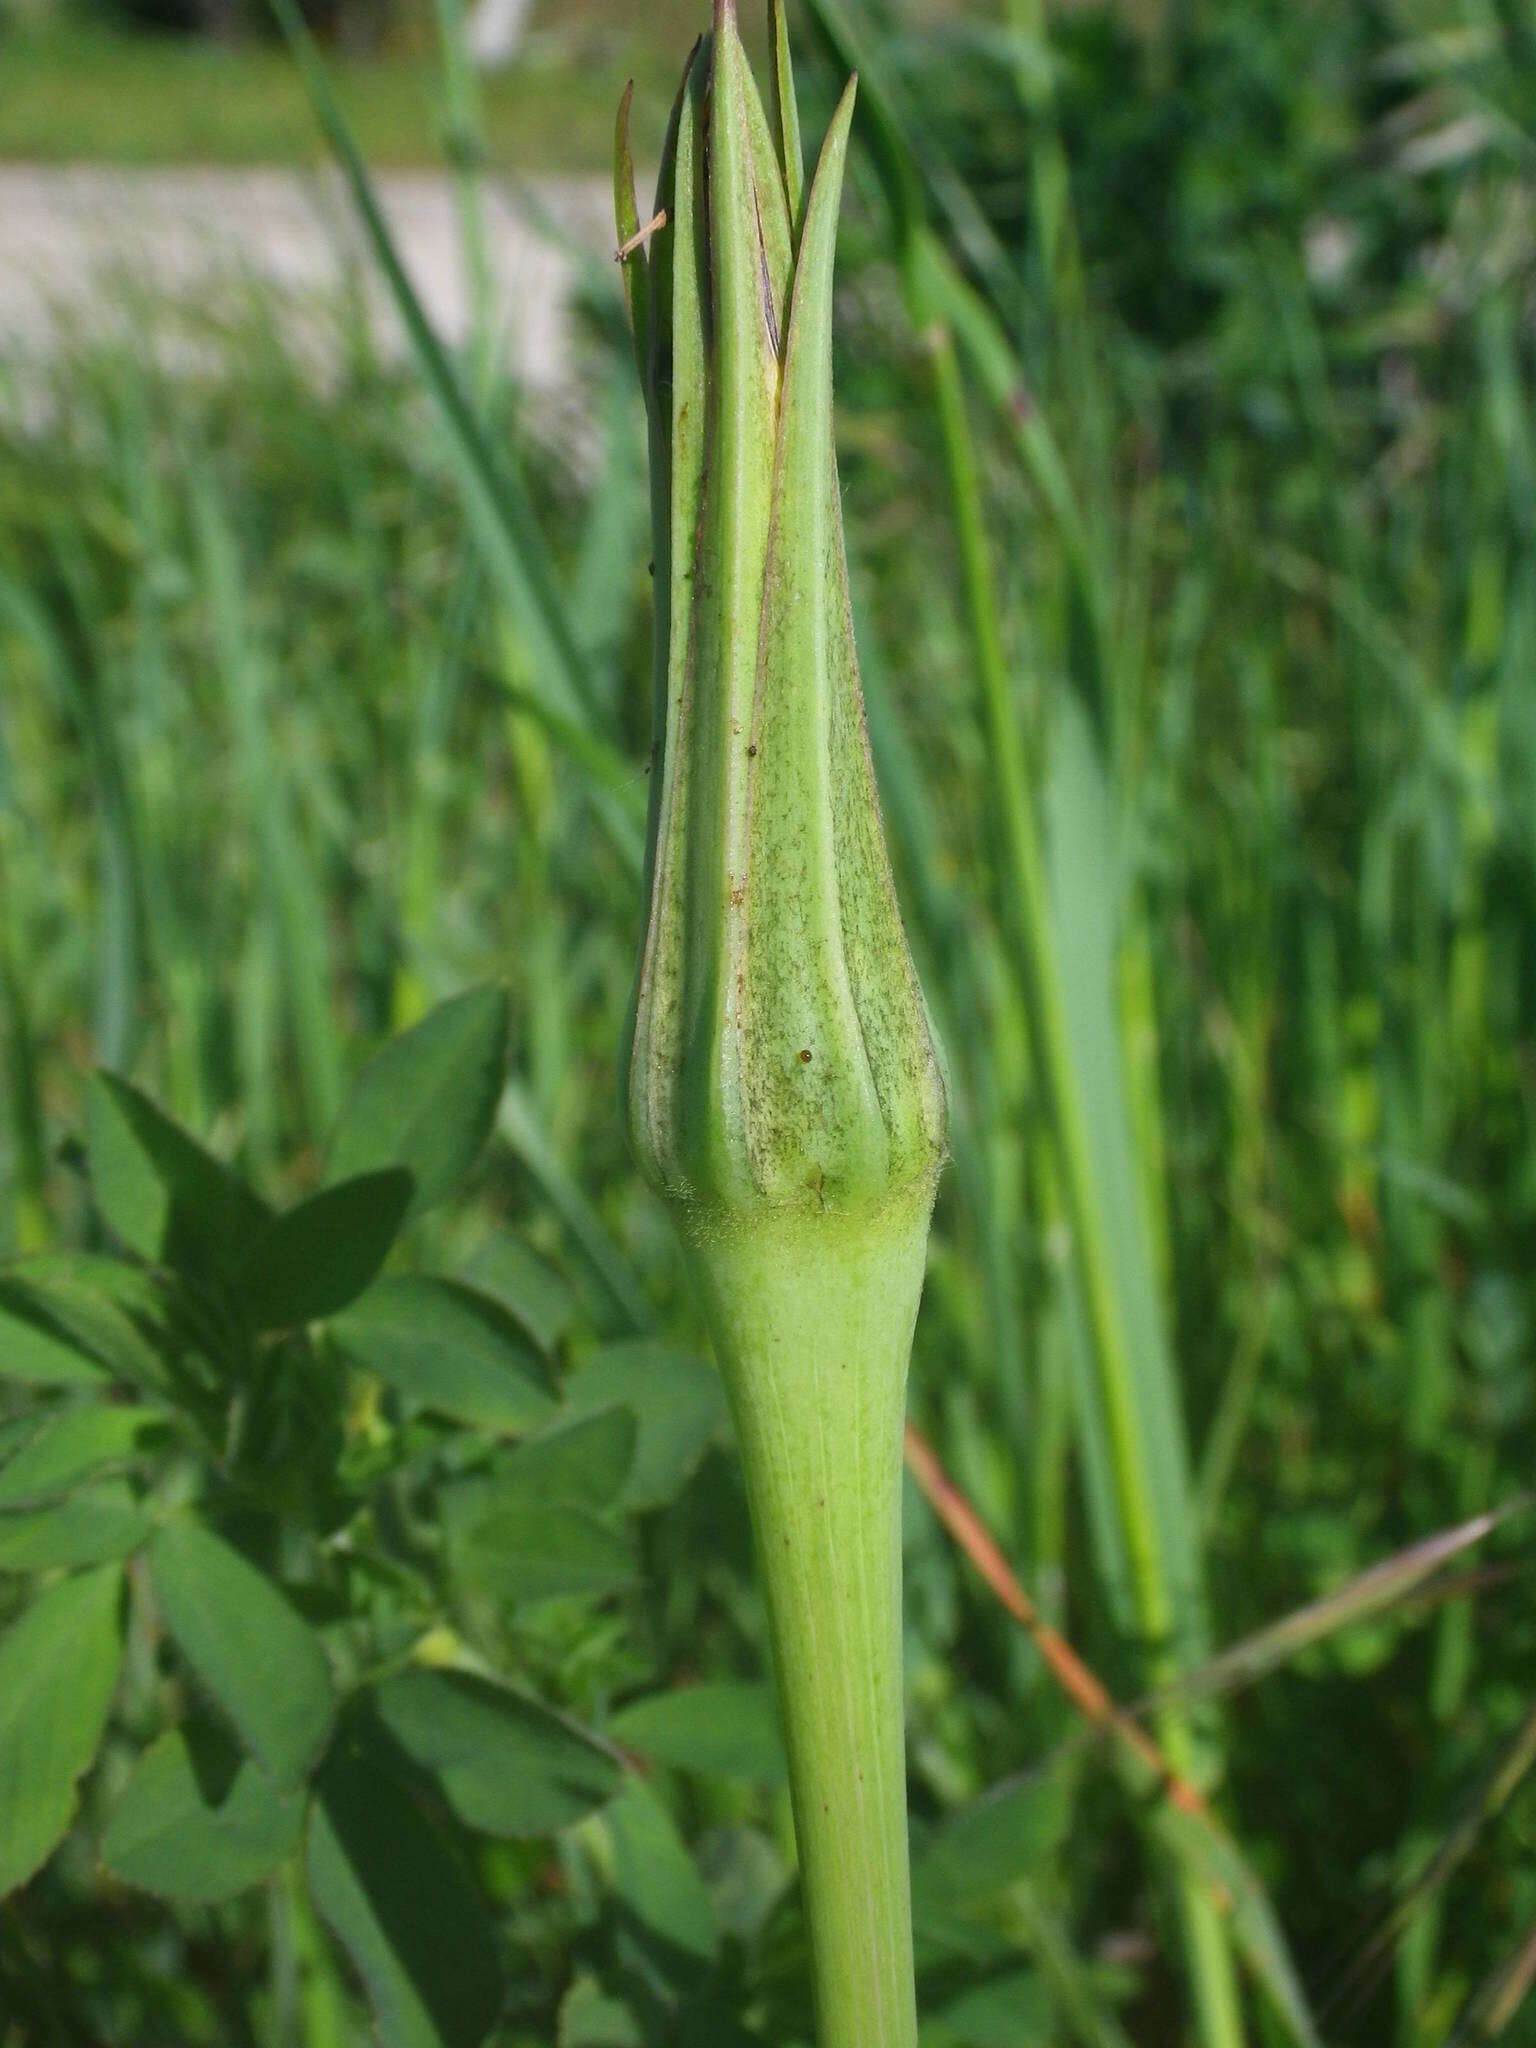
118,1315
1009,1834
317,1257
654,1875
746,1877
427,1101
400,1902
37,1347
583,1459
165,1197
589,2018
530,1285
58,1671
104,1521
19,1431
257,1659
71,1446
678,1404
578,1463
71,1320
198,1821
528,1549
507,1765
1009,2010
721,1726
448,1348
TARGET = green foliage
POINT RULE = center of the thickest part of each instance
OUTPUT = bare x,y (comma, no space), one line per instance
58,1670
318,1256
101,1522
450,1348
198,1822
506,1765
656,1878
257,1660
677,1403
73,1445
720,1726
426,1101
336,1543
403,1906
56,1331
162,1195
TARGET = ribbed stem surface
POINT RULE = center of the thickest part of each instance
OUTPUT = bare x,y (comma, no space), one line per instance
812,1319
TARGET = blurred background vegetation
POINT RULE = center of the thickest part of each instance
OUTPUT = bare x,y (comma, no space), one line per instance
278,770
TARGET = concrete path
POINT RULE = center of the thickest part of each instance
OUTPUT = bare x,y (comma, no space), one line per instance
78,242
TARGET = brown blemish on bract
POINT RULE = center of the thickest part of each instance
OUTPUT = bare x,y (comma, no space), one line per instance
769,313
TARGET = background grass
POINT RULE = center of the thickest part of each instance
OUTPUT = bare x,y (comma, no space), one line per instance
84,87
80,94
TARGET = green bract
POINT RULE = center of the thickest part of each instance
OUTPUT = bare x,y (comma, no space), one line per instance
783,1085
781,1050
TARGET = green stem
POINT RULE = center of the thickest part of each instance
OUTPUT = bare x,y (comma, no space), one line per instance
812,1318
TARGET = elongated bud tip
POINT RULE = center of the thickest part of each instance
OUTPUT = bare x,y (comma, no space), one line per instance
781,1056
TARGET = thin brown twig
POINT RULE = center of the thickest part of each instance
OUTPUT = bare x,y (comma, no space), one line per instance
641,236
1086,1691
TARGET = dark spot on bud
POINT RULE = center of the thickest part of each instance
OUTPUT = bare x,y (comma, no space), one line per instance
752,751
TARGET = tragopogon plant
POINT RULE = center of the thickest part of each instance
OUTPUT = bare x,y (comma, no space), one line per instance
783,1087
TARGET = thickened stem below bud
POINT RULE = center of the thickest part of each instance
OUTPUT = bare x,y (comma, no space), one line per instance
812,1323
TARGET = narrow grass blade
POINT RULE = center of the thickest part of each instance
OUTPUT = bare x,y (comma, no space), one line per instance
1374,1592
1085,2017
496,498
1488,1800
938,291
1179,1814
290,887
1500,1996
120,916
1135,1461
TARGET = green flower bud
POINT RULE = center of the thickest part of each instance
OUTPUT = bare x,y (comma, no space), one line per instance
783,1087
781,1055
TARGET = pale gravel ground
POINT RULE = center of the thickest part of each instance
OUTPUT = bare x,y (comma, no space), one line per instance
72,237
